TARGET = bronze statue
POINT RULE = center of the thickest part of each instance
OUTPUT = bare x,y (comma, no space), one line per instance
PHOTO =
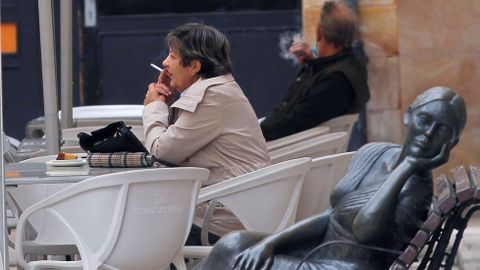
379,204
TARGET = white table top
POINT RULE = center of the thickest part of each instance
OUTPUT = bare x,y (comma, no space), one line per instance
41,173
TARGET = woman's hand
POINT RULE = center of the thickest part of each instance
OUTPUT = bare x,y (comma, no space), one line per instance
424,164
153,94
257,257
160,90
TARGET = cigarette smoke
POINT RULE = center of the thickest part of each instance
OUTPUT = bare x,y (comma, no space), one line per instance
285,41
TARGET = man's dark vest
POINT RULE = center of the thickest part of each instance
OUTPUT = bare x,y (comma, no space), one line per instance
348,65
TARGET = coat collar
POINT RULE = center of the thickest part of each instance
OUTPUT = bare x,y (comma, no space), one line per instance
194,94
321,62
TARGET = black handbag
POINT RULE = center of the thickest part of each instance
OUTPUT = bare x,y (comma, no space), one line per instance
116,137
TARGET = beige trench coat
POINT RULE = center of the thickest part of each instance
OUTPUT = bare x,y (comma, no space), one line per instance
213,126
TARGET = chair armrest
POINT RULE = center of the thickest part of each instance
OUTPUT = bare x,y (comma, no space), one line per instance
23,222
196,251
20,232
206,222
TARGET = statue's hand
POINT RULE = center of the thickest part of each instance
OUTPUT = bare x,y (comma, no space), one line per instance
425,164
259,256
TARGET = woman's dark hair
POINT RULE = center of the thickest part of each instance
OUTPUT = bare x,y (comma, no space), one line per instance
204,43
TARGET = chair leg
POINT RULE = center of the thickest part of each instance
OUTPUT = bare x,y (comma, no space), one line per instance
179,262
192,262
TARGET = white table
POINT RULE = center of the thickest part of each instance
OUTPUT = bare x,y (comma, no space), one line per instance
40,173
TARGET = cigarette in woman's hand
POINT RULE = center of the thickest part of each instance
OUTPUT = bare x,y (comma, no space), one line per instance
156,67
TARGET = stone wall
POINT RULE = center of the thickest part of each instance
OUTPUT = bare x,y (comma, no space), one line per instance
414,45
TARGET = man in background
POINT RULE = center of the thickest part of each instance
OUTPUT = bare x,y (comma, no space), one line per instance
331,84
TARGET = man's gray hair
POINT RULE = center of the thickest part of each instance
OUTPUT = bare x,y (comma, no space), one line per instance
203,43
338,23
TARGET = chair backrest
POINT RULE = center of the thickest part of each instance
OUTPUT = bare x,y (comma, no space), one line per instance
324,174
297,137
10,146
322,145
265,200
136,220
342,123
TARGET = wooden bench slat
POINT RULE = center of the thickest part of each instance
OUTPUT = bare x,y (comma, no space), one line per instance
446,197
475,175
451,198
432,222
409,255
464,186
397,266
420,239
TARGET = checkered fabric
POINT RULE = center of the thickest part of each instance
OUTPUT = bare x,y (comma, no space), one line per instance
119,159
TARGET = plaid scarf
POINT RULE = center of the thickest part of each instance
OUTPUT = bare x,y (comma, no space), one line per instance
121,159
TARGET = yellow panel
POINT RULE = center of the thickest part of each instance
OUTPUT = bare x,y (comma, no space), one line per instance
9,38
378,26
311,10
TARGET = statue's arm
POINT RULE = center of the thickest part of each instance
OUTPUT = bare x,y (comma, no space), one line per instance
309,230
301,235
375,214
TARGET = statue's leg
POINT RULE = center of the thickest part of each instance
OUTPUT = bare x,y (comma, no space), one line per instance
224,252
297,263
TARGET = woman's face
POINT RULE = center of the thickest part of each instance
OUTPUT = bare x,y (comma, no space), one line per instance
181,77
431,127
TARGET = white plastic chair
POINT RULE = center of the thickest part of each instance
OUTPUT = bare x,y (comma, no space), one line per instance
10,146
342,123
324,174
21,197
265,200
297,137
131,220
323,145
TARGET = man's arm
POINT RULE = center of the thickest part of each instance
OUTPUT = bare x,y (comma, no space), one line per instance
327,99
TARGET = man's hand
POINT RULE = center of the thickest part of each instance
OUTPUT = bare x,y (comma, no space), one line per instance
160,90
302,51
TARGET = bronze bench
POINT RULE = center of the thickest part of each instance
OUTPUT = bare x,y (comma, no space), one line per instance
454,204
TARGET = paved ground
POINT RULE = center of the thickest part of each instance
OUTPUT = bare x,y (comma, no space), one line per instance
469,253
468,257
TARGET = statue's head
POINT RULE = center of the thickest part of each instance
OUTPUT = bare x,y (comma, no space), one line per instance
436,118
